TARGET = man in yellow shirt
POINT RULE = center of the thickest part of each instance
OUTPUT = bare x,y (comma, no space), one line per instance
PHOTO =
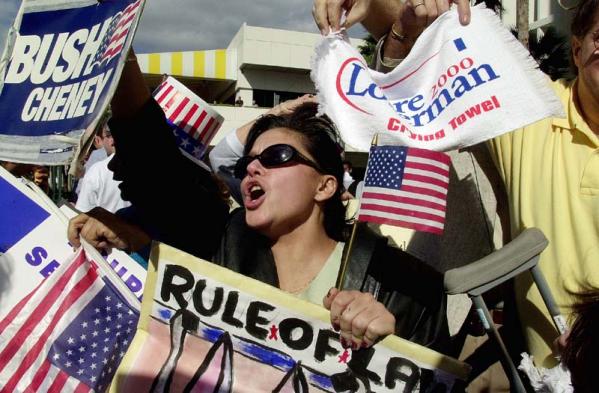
550,168
551,173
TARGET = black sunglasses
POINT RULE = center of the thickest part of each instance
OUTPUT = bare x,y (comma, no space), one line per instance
272,157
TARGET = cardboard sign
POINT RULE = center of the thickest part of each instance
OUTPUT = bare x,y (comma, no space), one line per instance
60,67
458,86
193,121
33,241
205,328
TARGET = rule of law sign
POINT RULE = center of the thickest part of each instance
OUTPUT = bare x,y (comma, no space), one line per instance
206,328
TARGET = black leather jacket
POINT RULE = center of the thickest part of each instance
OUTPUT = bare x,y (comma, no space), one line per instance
409,289
170,194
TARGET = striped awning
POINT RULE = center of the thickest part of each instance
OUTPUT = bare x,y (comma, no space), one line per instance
210,64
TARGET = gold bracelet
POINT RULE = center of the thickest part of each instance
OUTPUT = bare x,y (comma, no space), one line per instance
396,35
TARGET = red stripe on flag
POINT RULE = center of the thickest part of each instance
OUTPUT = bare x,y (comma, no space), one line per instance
402,199
81,388
425,179
196,125
112,52
424,191
403,212
204,132
129,14
163,94
400,223
426,167
429,154
211,133
38,314
83,285
59,382
185,122
17,309
179,109
167,105
39,376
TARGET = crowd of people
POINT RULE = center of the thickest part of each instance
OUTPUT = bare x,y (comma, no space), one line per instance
287,172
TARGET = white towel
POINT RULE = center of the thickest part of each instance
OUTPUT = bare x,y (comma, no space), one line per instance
459,85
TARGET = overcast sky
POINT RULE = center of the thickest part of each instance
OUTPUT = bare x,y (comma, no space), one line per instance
170,25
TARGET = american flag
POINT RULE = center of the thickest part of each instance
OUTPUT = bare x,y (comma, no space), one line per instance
116,35
406,187
194,126
68,335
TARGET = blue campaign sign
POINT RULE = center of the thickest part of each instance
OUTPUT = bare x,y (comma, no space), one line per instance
20,215
63,68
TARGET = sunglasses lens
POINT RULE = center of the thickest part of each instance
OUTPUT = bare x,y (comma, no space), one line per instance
241,167
276,155
271,157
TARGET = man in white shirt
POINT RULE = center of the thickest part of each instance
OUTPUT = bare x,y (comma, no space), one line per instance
98,188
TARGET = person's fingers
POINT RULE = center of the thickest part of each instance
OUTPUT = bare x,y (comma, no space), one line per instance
431,11
382,325
357,13
463,11
334,10
329,297
319,12
338,306
418,7
442,6
74,229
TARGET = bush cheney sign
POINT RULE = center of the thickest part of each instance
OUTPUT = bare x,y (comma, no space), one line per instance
59,72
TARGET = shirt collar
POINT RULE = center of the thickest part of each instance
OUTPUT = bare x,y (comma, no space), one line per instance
573,120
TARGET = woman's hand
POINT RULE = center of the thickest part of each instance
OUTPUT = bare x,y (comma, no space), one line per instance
327,13
416,15
105,230
360,318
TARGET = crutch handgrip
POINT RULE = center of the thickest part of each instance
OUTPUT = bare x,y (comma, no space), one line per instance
512,259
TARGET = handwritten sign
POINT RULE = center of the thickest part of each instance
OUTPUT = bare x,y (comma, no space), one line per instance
205,326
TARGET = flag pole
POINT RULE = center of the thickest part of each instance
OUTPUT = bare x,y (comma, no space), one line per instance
345,262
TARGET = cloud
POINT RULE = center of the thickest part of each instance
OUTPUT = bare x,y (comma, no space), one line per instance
8,11
211,24
171,25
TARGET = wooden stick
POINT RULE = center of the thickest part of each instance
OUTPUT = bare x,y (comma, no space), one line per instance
345,262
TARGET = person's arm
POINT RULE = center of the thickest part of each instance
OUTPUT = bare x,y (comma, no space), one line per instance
88,194
228,150
169,192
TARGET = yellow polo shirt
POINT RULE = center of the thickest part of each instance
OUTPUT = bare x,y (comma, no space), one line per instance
551,173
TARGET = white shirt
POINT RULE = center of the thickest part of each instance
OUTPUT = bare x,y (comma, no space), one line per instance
98,188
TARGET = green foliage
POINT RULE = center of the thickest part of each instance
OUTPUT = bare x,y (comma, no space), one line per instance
367,49
552,52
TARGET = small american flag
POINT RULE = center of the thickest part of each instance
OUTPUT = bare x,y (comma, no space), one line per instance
194,122
116,35
68,335
406,187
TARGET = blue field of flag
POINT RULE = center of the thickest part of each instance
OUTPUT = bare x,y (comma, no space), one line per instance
19,215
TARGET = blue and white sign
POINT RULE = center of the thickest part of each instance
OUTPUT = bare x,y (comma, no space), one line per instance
33,244
60,67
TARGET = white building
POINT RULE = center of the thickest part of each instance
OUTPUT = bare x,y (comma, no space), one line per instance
542,14
262,66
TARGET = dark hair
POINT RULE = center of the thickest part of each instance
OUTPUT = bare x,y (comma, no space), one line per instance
581,354
321,140
584,17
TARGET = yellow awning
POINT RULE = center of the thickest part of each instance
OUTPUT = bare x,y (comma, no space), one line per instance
210,64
